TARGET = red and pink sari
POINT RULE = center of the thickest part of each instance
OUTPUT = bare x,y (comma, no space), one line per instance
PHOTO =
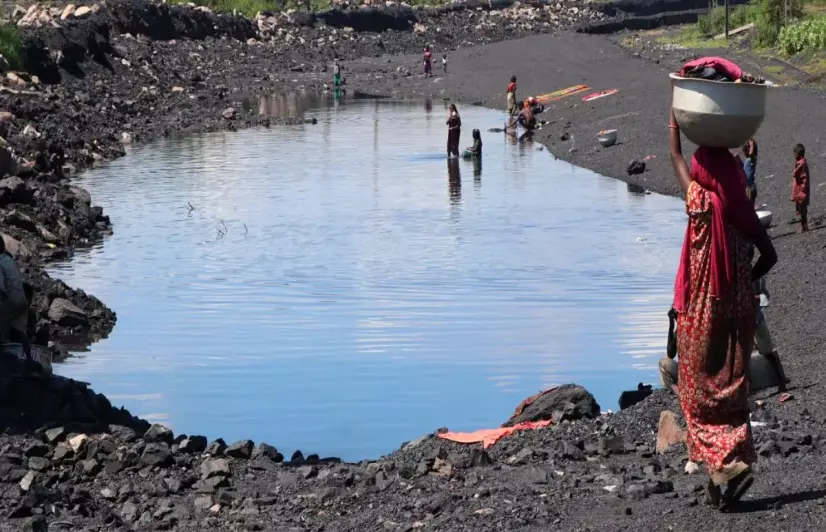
716,310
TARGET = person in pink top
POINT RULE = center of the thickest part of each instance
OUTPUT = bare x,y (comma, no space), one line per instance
428,62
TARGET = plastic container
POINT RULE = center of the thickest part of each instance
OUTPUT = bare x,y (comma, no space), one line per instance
607,138
765,217
718,114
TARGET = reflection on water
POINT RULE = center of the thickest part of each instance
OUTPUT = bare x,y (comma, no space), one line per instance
341,288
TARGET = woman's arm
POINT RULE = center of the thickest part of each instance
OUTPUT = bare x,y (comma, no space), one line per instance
768,256
676,152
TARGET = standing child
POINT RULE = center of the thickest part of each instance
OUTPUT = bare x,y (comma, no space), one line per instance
511,97
428,60
444,63
800,186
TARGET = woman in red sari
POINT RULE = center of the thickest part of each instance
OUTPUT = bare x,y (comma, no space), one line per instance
454,130
715,305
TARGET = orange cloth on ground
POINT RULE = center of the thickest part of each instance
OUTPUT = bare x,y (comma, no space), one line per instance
490,436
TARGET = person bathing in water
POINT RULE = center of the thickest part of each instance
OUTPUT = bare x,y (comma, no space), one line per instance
475,150
454,130
525,117
336,74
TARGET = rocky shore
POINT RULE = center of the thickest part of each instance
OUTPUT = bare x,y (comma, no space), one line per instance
69,460
130,71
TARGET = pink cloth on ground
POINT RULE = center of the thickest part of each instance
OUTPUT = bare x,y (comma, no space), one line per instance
490,436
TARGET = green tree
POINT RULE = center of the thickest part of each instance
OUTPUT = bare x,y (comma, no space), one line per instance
772,16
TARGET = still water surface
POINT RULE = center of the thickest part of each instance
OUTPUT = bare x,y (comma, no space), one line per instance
341,288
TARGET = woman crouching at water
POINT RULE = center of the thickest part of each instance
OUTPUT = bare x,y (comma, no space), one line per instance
716,315
454,131
476,149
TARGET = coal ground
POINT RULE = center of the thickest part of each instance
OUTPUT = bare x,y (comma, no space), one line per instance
128,475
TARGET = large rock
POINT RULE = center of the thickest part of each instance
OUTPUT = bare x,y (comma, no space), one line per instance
156,454
17,249
569,401
16,190
215,467
20,220
66,314
83,12
268,451
68,11
82,195
159,433
193,445
668,431
241,449
8,166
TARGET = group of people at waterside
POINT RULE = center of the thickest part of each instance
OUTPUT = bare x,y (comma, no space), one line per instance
720,292
519,114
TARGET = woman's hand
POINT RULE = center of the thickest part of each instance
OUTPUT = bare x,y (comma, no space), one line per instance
675,148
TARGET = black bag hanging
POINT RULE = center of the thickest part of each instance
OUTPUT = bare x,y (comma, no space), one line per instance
671,346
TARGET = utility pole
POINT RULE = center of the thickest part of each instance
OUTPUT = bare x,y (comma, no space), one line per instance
727,20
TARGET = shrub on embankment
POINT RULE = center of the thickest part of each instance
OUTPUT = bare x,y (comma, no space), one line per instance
804,36
769,17
11,46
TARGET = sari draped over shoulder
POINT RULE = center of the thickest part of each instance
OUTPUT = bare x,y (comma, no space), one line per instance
716,308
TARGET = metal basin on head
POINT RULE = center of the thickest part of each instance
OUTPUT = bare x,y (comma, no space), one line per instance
718,114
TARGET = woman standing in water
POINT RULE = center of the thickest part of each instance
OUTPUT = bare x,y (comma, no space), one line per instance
716,315
454,130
